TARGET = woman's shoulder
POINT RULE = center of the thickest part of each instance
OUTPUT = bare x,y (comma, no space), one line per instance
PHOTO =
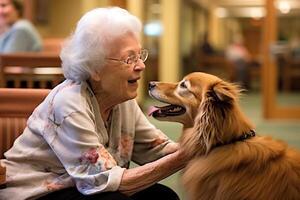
70,96
23,25
27,29
67,98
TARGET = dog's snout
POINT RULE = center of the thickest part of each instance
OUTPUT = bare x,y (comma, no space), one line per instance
151,85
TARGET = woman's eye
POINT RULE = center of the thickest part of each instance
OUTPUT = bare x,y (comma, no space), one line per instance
131,59
182,85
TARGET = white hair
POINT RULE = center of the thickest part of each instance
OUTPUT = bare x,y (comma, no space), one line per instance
83,53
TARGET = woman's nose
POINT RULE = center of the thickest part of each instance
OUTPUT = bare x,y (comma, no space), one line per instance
140,65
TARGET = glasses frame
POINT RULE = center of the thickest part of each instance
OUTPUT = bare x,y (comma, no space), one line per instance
133,59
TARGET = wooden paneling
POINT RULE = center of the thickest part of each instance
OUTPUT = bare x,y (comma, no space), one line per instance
119,3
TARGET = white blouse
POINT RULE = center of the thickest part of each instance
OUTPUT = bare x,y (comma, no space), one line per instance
66,144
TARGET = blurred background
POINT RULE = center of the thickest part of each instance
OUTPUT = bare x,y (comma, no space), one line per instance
253,42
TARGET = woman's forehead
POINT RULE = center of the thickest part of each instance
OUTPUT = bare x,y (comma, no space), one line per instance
124,45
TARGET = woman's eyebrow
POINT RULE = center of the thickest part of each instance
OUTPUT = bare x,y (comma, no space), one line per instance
132,52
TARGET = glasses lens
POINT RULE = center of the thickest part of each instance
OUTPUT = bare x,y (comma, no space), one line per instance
131,59
144,55
134,58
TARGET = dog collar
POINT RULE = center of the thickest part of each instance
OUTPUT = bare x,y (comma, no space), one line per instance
245,136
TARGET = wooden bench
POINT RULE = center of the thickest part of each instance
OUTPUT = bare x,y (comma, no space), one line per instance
217,65
30,69
16,105
291,70
2,175
53,45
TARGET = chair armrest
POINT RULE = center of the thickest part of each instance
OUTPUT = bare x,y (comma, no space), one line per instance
2,176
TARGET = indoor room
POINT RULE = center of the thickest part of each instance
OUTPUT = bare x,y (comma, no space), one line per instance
252,46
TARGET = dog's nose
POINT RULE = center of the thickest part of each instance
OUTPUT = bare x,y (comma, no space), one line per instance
151,85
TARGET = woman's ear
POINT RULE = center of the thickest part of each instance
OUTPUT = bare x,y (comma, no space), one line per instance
96,76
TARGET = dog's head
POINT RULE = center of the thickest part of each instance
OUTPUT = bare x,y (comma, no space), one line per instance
185,97
202,101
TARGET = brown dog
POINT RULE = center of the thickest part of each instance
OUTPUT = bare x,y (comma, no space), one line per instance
227,160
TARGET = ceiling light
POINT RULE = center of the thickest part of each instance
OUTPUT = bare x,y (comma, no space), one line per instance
221,12
284,7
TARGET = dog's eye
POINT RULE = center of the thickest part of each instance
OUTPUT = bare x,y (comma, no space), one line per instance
183,85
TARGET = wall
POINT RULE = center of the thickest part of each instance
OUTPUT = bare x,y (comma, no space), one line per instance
63,16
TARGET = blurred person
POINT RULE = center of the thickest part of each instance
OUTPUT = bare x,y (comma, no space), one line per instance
239,56
79,141
295,47
206,48
16,34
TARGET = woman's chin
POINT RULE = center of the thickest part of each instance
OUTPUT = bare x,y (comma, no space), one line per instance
133,85
128,96
132,95
132,90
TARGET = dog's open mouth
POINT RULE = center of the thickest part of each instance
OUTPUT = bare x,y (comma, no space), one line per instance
165,111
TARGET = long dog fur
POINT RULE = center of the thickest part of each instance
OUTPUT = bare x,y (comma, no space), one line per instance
223,167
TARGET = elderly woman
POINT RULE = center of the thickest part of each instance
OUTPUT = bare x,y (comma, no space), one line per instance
79,141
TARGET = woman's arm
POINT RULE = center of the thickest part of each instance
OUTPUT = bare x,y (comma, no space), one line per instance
141,177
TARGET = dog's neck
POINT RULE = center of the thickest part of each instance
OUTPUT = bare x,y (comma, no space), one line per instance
211,131
243,137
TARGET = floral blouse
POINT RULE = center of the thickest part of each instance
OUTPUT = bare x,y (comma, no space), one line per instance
66,144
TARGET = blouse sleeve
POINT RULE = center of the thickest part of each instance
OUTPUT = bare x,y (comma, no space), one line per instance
150,143
86,160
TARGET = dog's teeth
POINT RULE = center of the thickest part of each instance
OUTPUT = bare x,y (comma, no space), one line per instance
175,109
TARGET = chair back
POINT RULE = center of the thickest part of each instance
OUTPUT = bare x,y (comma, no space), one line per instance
53,45
16,105
30,70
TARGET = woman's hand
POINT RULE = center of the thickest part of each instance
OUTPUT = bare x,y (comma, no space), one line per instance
139,178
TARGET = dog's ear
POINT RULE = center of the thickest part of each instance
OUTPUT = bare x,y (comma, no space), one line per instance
213,114
223,92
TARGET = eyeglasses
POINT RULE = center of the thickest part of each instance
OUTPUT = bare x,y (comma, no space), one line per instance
133,59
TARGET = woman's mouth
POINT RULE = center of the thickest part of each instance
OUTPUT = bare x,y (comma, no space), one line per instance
131,81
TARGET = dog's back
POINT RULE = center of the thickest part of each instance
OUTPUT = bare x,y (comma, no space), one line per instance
258,168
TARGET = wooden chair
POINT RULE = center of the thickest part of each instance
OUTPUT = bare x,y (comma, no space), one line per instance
217,65
16,105
42,68
52,45
291,70
2,176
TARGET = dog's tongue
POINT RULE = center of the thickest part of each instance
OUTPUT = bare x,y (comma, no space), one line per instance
151,110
